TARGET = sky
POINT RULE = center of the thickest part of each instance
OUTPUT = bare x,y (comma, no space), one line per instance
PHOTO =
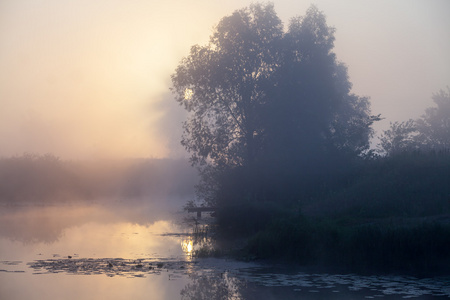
90,79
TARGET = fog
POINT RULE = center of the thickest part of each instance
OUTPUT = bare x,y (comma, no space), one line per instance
91,79
45,180
280,114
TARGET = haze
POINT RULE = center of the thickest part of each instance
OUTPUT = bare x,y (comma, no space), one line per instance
91,78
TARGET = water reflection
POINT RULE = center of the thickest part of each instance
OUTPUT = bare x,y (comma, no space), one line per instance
187,245
228,280
121,240
206,287
121,254
45,224
31,224
340,286
40,246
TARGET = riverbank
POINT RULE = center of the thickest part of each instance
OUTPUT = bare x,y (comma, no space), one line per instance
381,215
396,245
383,246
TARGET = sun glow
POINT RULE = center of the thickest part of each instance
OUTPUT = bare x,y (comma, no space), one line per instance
188,94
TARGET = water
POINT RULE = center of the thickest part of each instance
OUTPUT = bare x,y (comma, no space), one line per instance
136,252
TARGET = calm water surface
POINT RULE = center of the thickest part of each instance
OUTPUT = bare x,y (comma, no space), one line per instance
136,252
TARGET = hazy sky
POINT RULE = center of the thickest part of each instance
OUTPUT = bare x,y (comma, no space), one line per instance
83,78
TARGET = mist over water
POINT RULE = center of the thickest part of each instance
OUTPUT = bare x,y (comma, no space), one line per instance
280,114
34,179
87,237
118,229
118,251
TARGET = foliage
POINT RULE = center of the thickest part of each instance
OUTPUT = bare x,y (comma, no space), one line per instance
314,112
389,214
269,108
245,219
224,83
434,125
399,138
413,184
287,238
430,132
420,248
283,149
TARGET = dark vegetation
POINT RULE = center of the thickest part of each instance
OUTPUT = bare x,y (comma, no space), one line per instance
420,248
45,179
389,214
282,148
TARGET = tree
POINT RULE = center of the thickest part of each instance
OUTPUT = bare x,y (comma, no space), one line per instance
260,98
401,137
434,125
430,132
314,112
222,85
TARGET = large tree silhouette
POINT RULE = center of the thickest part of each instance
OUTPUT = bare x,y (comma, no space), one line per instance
260,98
313,112
224,84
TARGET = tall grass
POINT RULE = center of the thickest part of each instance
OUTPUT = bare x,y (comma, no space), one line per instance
418,249
408,184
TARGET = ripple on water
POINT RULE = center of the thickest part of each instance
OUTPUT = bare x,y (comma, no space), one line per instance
376,286
372,286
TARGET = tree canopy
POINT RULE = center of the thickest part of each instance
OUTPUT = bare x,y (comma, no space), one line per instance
223,84
429,132
260,97
434,125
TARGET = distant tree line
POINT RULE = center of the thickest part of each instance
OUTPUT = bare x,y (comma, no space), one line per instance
32,178
430,132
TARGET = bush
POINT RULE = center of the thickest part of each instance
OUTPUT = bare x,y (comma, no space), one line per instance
419,249
286,238
243,220
408,185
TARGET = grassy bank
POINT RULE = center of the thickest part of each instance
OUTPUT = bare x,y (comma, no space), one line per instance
390,214
416,247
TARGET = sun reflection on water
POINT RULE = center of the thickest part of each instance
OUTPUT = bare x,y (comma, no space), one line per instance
187,245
